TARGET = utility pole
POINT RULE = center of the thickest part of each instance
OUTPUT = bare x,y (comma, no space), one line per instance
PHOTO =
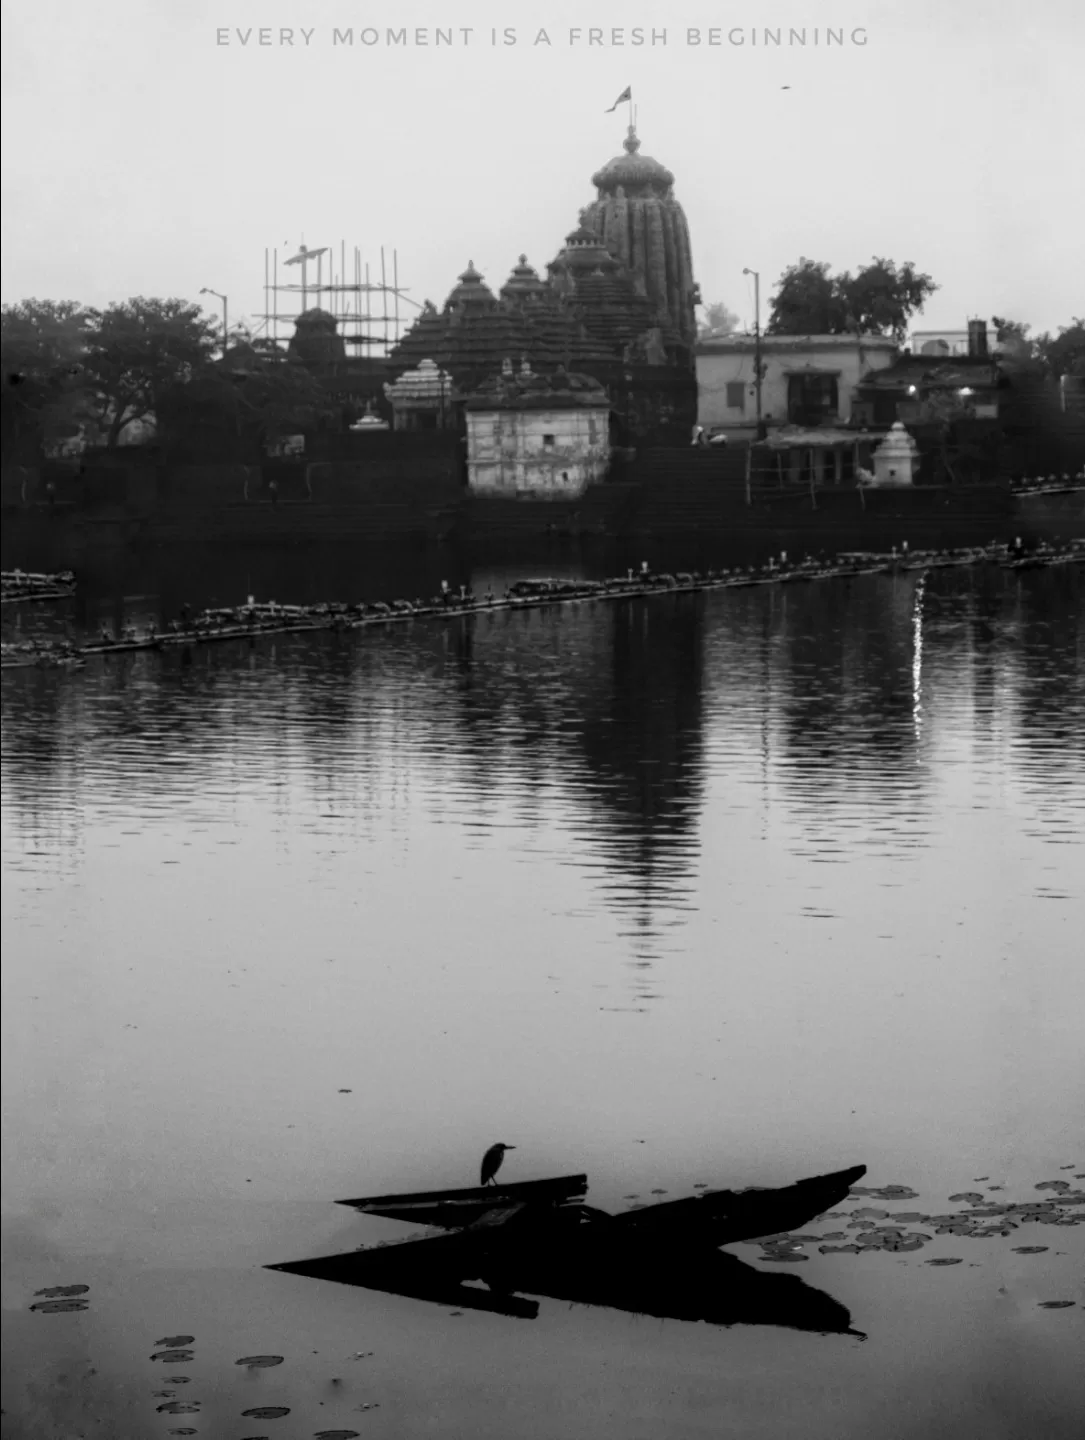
757,347
225,316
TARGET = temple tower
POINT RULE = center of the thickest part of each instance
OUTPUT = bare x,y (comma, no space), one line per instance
637,217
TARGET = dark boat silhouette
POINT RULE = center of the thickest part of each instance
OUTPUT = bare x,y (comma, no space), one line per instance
539,1239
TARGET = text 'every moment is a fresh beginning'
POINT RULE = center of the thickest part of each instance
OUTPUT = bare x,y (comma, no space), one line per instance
404,37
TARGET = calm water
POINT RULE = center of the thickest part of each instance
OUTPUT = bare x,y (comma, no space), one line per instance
727,890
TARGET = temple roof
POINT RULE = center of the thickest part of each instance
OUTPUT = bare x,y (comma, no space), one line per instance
316,317
471,290
525,390
524,283
632,169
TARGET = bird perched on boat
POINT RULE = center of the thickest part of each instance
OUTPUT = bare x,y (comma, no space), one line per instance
491,1162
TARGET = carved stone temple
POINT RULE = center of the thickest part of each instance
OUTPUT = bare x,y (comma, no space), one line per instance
616,306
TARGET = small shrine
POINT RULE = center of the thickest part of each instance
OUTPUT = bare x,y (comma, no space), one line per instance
896,459
537,437
421,399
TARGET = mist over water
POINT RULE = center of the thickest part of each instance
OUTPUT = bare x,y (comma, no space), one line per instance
726,889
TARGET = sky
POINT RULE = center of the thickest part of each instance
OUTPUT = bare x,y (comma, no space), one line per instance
147,150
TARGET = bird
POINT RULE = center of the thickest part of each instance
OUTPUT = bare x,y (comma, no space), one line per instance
491,1162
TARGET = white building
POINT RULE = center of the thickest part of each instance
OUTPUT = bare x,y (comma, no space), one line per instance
807,380
538,437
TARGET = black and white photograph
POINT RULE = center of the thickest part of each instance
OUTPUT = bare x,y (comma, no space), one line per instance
543,698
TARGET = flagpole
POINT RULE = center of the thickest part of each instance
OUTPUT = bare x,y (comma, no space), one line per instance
632,115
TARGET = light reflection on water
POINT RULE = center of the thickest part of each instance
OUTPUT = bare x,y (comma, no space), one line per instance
724,889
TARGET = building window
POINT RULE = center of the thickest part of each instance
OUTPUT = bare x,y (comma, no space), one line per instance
548,442
736,395
811,399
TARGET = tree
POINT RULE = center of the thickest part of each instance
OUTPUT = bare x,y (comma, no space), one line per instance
1064,353
879,299
806,302
718,320
137,350
235,407
1055,355
42,344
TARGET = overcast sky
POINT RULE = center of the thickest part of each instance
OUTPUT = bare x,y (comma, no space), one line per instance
142,156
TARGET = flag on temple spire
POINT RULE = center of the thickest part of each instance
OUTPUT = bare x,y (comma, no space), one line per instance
627,94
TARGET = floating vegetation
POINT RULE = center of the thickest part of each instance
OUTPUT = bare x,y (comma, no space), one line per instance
337,1435
944,1260
54,1291
179,1407
176,1341
59,1307
979,1219
266,1412
259,1362
183,1430
886,1192
174,1357
1056,1304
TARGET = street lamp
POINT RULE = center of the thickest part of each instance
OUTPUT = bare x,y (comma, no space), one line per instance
757,345
225,329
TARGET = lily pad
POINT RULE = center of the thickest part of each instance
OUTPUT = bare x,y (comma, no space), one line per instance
1053,1185
174,1357
886,1192
337,1434
53,1292
944,1260
174,1342
259,1362
179,1407
266,1412
1029,1249
1056,1304
971,1197
59,1307
838,1249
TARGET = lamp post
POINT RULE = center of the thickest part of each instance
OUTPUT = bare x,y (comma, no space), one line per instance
225,314
757,346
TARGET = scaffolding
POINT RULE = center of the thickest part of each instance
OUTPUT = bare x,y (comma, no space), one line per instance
368,311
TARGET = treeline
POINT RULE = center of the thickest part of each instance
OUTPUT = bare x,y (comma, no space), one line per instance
71,370
881,299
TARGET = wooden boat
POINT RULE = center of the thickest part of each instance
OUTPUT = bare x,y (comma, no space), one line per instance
538,1238
710,1219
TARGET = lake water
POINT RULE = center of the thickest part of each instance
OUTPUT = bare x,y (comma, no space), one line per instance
717,890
